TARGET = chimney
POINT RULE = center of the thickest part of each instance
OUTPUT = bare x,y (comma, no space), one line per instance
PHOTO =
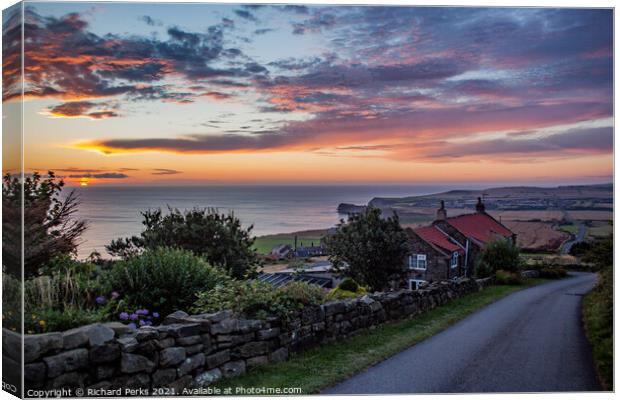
480,206
441,212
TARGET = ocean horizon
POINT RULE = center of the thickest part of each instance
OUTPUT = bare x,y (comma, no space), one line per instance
114,211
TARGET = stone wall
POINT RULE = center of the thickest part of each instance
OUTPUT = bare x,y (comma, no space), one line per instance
195,351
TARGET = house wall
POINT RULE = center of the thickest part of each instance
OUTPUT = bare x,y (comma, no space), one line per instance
437,263
189,352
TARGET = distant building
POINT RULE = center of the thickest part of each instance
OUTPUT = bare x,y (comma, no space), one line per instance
310,251
449,246
281,252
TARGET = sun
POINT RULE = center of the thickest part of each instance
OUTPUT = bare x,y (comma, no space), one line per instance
84,182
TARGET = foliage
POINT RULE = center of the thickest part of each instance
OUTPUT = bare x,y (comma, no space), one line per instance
256,299
11,303
52,320
370,249
598,310
339,293
219,238
302,293
500,254
50,227
161,279
507,278
348,284
600,253
552,273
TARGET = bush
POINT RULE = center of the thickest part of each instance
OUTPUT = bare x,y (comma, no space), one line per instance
508,278
219,238
552,273
500,254
302,293
598,316
258,299
339,293
370,249
349,285
163,279
50,320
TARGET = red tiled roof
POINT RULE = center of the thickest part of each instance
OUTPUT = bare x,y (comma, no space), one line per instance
481,227
432,235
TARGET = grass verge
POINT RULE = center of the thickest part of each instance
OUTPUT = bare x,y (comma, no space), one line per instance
598,320
331,363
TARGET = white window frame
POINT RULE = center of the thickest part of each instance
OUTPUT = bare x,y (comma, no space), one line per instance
421,258
454,262
414,284
411,263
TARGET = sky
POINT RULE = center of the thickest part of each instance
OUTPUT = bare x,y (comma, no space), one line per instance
204,93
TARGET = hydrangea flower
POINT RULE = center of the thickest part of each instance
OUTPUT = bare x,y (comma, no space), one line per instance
100,300
155,315
142,322
133,317
132,325
124,316
114,295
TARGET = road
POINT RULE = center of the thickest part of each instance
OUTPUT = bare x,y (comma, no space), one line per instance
579,237
530,341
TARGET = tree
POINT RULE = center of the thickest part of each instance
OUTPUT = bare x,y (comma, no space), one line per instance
218,238
50,228
370,249
600,253
499,254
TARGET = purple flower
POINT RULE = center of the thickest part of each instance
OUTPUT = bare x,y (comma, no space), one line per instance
131,325
148,323
100,300
133,317
142,312
114,295
124,316
142,322
155,315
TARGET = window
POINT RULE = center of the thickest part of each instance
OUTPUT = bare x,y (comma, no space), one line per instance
421,264
455,260
414,284
417,261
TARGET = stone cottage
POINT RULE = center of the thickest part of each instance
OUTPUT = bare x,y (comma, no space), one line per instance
449,246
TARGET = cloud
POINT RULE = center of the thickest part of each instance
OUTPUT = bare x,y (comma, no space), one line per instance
106,175
163,171
246,15
150,21
65,60
263,31
82,109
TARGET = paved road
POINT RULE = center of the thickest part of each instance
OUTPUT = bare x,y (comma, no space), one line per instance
579,237
530,341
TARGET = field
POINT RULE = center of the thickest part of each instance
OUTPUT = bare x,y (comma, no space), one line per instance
264,244
537,235
598,229
591,215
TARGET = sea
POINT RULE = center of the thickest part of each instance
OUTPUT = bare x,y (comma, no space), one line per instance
114,211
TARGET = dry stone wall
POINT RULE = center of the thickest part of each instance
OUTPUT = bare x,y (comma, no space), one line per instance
194,351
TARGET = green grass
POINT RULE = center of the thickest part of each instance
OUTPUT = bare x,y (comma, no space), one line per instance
264,244
570,228
331,363
598,321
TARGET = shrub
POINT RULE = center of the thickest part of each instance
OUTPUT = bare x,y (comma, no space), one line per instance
598,317
339,293
370,248
302,293
500,254
258,299
507,278
50,320
349,285
552,273
161,279
219,238
50,228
